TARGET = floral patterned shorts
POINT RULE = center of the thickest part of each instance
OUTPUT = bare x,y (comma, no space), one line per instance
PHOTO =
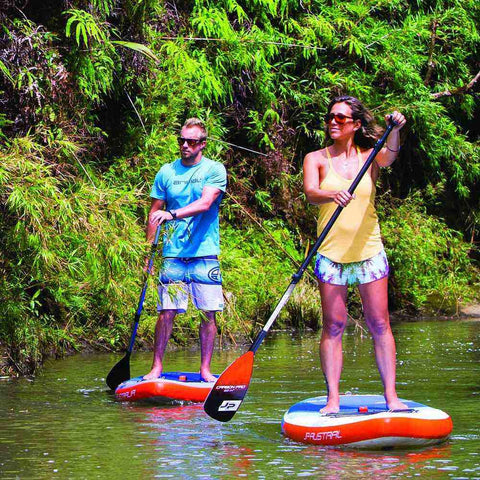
353,273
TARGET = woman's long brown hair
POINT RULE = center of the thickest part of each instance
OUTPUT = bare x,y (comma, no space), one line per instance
369,132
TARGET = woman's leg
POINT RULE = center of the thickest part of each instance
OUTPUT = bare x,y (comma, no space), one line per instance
334,321
375,308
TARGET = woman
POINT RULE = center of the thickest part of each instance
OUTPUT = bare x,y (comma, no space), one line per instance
352,252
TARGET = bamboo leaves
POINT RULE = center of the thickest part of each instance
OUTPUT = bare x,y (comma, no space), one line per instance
354,46
138,47
6,72
104,6
94,58
87,30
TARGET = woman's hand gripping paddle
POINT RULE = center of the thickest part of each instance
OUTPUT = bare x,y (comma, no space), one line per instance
231,387
121,371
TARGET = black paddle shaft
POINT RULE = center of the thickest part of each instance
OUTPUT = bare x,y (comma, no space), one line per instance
153,251
298,275
121,370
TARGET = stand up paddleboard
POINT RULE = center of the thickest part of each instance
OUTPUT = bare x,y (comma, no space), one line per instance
364,421
171,386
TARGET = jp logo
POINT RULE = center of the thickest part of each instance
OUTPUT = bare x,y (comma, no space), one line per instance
229,406
214,275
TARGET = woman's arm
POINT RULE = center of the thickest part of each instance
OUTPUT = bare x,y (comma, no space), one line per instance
312,170
387,155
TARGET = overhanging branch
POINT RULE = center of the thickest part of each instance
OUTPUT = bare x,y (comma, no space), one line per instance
458,91
430,62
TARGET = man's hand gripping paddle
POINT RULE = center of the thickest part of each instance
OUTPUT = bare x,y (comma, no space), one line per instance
121,370
231,387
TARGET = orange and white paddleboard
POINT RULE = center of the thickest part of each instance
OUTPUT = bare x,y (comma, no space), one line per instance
171,386
364,421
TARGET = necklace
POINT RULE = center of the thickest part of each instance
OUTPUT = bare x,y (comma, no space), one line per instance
345,163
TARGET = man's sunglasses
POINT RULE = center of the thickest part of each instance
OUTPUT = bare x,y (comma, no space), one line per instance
191,142
340,118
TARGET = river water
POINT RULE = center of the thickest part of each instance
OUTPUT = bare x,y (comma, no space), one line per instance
65,424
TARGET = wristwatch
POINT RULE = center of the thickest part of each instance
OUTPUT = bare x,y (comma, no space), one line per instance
173,213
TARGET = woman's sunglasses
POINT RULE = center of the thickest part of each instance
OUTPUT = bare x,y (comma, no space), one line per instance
340,118
191,142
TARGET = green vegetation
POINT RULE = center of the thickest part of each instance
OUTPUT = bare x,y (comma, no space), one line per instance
92,98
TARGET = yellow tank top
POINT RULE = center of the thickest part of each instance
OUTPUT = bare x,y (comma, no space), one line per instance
355,236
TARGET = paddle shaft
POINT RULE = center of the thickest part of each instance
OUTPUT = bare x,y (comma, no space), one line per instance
121,370
138,313
298,275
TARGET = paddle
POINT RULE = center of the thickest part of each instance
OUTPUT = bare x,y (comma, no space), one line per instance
231,387
121,371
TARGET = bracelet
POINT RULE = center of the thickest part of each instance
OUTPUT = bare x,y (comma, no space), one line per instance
394,151
173,213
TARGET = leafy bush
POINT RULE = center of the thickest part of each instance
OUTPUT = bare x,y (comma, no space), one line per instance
430,265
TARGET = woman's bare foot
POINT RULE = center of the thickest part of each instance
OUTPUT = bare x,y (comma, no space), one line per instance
207,376
332,406
153,374
396,404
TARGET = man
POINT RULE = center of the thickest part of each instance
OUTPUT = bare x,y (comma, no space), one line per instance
186,195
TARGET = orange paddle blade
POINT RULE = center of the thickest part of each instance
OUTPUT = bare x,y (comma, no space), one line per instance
230,389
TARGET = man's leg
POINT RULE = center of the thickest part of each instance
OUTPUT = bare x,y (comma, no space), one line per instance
172,299
375,307
334,321
208,330
207,296
163,330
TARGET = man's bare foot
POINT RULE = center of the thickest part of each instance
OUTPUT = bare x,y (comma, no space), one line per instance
332,406
207,376
153,374
396,404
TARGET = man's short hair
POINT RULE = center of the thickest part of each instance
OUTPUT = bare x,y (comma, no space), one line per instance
195,122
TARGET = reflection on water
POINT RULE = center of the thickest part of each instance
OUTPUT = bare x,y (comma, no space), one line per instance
66,424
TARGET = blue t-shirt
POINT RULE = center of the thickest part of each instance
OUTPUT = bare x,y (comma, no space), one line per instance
179,186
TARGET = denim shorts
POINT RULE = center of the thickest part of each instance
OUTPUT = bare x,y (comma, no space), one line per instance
198,278
354,273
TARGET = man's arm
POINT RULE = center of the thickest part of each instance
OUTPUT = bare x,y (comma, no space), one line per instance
209,195
155,206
